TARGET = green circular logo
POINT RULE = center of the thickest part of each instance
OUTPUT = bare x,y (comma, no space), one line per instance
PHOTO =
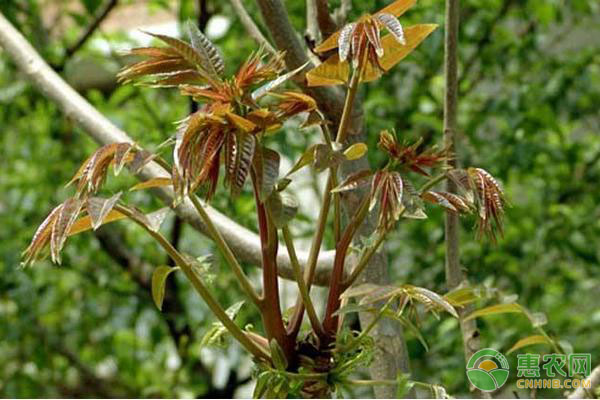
487,370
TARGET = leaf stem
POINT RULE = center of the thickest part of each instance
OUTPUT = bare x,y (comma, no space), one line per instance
432,182
342,133
364,260
306,300
270,304
337,275
202,290
352,345
226,251
313,256
366,257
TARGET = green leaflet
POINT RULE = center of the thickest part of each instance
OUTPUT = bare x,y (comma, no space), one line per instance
159,278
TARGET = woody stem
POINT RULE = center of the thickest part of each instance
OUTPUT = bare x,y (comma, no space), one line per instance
330,322
270,305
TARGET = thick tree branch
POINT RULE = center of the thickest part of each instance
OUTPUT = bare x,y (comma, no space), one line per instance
312,26
250,26
244,243
326,23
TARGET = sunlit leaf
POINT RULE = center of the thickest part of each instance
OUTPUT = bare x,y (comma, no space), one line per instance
331,72
344,41
241,123
398,7
356,151
353,181
393,26
394,52
528,341
463,296
152,183
430,297
85,223
159,278
496,309
98,208
305,159
66,217
274,84
41,237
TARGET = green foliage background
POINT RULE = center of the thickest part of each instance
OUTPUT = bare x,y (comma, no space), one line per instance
529,114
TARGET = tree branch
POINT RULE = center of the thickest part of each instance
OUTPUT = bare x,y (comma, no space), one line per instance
454,273
244,243
87,33
250,26
312,26
594,382
326,24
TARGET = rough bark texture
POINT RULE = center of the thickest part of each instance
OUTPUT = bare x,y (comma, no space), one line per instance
454,273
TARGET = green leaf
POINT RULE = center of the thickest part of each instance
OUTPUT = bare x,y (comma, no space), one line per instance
282,208
380,294
261,385
278,356
159,278
359,290
325,157
430,298
354,308
270,172
497,309
463,296
356,151
305,159
528,341
215,335
403,385
407,323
